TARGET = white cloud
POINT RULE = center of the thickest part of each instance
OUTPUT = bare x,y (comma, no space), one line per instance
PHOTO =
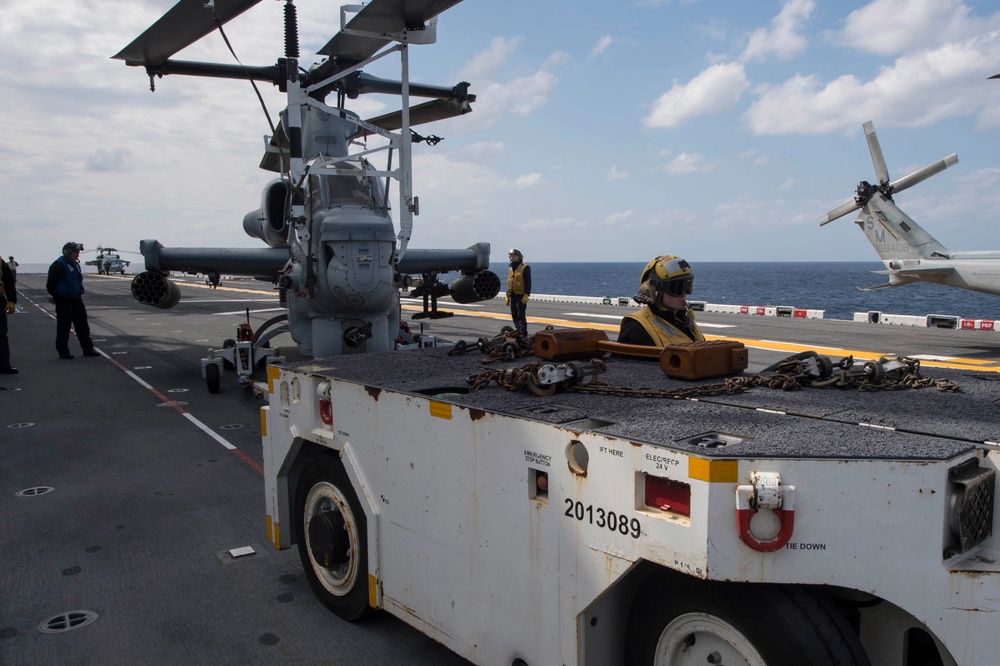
784,39
615,174
687,163
716,89
916,90
552,223
482,151
900,26
520,96
602,44
528,180
107,160
485,65
618,220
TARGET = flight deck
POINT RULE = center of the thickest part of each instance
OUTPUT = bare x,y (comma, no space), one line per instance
127,486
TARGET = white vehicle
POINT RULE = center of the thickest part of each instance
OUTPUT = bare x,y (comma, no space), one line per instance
770,527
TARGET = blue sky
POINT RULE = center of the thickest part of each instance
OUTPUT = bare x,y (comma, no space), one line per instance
719,131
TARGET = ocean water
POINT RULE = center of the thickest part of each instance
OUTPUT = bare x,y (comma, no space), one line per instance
828,286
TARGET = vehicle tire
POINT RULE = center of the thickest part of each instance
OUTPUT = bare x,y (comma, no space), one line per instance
213,377
333,539
506,329
678,621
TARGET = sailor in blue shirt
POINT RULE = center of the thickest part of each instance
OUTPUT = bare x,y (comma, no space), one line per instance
65,285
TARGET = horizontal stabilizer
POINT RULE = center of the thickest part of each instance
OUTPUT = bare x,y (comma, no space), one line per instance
920,272
876,287
184,24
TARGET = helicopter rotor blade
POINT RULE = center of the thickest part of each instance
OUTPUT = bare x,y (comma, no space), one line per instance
839,211
881,171
420,114
379,17
383,17
182,25
921,175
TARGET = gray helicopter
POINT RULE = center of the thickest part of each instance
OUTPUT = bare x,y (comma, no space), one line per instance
108,261
332,248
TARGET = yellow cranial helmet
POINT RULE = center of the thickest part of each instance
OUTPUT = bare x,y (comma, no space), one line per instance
668,273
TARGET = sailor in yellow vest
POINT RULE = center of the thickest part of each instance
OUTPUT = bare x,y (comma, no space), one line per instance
666,320
518,291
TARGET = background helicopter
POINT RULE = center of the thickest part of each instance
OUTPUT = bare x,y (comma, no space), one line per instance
909,253
332,248
108,261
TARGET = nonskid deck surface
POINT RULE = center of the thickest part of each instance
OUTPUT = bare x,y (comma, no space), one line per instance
147,500
812,422
124,483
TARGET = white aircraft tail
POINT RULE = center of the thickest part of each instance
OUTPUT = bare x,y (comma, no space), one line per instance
894,234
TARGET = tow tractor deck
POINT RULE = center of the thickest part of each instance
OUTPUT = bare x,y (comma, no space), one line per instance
902,424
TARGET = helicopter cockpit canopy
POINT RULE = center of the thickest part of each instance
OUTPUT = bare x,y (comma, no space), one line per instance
360,189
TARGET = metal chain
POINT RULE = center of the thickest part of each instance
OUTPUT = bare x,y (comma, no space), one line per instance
792,376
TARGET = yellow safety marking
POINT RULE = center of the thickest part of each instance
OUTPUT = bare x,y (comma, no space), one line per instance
263,422
713,471
774,345
274,533
372,591
442,410
221,288
771,345
273,372
568,323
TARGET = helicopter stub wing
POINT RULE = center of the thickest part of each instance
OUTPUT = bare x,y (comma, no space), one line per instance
184,24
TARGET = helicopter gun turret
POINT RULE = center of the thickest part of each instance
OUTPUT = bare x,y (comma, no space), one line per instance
333,248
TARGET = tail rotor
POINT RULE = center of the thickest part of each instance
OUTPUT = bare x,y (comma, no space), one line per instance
866,191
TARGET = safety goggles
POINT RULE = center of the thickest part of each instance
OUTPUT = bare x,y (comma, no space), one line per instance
677,286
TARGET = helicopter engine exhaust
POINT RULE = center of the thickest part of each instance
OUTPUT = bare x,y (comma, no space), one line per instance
150,288
269,223
480,286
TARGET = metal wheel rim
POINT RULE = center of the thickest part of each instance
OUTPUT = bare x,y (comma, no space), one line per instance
711,634
325,496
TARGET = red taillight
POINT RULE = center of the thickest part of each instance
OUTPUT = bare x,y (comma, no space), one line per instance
668,495
326,411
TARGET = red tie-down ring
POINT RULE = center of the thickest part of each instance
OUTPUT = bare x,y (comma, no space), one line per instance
773,507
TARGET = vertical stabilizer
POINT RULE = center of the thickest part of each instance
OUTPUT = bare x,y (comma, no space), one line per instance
894,234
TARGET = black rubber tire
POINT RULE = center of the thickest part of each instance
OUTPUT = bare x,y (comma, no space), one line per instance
507,329
339,538
786,625
213,377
